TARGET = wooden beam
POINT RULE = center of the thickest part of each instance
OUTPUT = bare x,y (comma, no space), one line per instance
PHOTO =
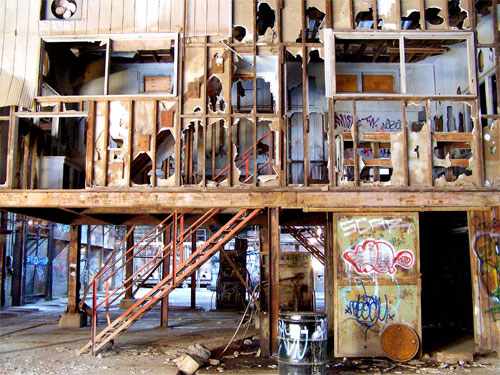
74,269
89,164
12,149
274,257
305,93
329,278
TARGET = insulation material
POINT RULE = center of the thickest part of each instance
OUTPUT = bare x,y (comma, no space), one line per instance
341,15
212,17
19,43
419,152
193,79
290,21
387,10
119,113
100,143
491,144
242,19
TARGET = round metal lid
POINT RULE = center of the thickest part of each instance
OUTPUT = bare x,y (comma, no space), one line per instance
399,342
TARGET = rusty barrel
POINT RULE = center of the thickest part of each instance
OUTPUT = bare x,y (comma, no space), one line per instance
302,343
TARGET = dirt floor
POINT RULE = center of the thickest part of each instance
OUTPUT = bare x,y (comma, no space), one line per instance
32,343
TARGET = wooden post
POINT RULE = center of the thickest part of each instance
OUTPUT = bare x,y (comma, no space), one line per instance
167,238
89,165
274,257
193,276
305,101
329,278
50,256
12,149
264,294
74,269
129,267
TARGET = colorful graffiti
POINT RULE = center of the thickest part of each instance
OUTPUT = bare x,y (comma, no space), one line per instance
378,257
486,246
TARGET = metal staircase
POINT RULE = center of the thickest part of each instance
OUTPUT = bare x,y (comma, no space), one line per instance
179,271
303,235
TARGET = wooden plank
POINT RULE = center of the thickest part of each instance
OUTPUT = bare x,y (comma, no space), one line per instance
354,131
453,137
89,164
405,145
347,82
130,143
105,157
378,83
157,84
371,162
26,160
141,15
153,145
129,16
74,269
153,11
117,16
274,249
305,94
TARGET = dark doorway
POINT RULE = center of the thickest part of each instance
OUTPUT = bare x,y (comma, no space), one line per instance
446,280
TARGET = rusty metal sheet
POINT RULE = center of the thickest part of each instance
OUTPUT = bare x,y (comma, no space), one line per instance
378,279
400,342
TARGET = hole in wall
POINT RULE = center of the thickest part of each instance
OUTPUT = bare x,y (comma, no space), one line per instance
239,33
140,169
364,20
483,7
432,16
314,19
266,17
456,14
480,61
214,93
412,22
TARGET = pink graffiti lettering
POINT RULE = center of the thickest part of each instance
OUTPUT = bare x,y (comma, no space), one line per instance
378,257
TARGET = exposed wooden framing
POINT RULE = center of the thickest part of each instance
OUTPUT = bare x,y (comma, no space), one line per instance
430,179
154,145
106,143
106,67
74,269
12,149
402,64
375,14
446,15
128,167
26,160
404,129
57,114
351,14
305,101
283,138
354,132
254,81
205,106
34,160
328,14
496,42
89,165
129,263
274,249
477,145
423,24
332,152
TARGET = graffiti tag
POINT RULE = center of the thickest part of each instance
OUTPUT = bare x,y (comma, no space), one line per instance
377,257
368,310
355,225
37,261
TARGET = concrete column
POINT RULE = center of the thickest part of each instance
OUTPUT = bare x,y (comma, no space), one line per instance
274,259
128,300
167,238
73,318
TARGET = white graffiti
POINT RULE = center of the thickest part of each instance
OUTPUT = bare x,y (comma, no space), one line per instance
291,339
356,225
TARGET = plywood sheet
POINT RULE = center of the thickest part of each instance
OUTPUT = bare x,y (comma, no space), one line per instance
378,83
347,83
378,278
157,84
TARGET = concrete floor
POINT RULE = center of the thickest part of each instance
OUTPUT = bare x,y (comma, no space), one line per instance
32,343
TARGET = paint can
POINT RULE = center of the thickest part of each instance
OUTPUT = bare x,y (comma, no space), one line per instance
302,343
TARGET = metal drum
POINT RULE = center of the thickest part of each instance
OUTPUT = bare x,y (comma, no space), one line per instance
302,343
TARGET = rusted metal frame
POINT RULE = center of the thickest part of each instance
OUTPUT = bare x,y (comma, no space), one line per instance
100,273
26,159
128,169
193,275
183,237
174,249
165,290
106,143
304,241
267,163
242,279
404,129
89,164
254,81
274,255
109,267
423,22
354,132
165,271
305,102
153,145
430,179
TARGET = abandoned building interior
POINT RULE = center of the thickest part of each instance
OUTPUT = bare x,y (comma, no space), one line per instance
330,156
